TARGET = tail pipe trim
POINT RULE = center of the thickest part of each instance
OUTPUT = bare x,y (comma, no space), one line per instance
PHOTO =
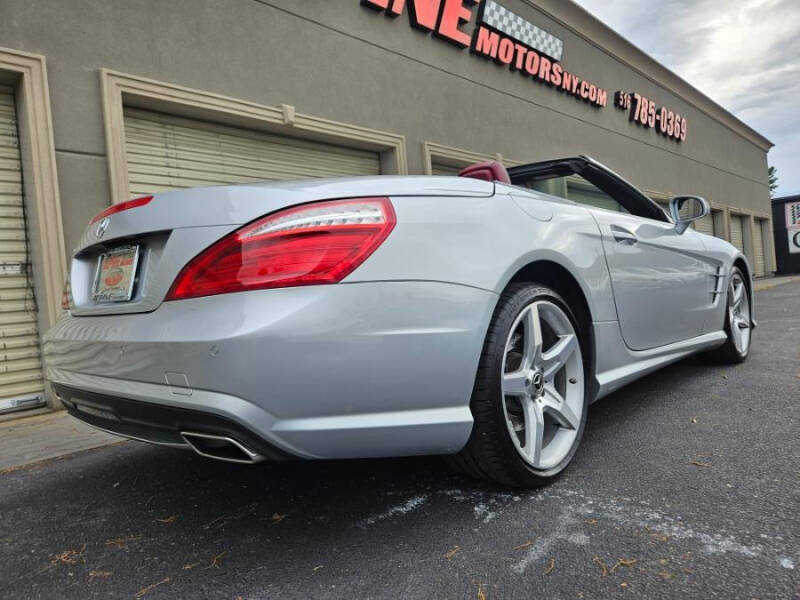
220,447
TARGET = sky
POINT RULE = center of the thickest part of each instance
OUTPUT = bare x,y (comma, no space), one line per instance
744,54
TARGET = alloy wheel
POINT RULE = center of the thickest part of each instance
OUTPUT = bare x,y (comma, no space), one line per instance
739,314
543,385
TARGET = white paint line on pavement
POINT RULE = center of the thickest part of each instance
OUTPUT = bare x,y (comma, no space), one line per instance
399,509
543,545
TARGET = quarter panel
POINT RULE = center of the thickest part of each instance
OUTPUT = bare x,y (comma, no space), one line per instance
484,242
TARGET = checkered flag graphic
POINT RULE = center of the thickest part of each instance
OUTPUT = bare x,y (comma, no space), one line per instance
502,19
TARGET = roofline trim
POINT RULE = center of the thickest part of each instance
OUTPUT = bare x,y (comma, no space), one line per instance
579,20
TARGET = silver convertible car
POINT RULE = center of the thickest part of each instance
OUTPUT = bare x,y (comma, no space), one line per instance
475,316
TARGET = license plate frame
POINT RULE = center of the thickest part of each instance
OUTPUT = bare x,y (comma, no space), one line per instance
116,274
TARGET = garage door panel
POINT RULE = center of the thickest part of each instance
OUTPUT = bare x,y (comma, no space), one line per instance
758,249
251,156
9,153
705,225
737,232
209,173
158,126
16,342
35,387
20,365
26,366
10,187
170,153
12,165
442,170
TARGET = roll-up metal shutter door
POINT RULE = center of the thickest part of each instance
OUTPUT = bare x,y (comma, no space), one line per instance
20,367
166,152
758,248
737,235
445,170
706,224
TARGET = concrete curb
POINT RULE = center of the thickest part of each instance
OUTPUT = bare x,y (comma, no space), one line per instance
767,284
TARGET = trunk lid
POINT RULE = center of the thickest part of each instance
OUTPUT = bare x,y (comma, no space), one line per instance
176,226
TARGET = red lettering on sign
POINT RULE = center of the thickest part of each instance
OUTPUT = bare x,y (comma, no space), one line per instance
532,64
424,13
446,18
566,82
454,15
487,42
506,53
544,69
376,4
522,51
557,76
397,8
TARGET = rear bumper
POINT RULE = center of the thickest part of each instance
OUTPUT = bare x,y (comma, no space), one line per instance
157,423
343,371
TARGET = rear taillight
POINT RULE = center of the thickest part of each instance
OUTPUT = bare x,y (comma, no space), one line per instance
306,245
120,207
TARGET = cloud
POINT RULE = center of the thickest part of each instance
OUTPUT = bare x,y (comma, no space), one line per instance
745,54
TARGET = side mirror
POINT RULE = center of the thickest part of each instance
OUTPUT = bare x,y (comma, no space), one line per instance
686,209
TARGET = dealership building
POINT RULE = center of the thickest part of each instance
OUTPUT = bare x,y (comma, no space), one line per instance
102,101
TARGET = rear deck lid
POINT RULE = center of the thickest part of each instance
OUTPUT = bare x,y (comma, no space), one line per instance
154,240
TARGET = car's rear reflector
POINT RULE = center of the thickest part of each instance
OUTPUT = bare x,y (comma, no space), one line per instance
311,244
120,207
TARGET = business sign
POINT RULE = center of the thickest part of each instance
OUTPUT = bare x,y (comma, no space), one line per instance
793,226
644,112
510,40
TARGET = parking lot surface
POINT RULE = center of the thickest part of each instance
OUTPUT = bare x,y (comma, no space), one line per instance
687,485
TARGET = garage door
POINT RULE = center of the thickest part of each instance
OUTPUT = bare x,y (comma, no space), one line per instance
445,170
758,248
20,366
737,232
706,224
166,152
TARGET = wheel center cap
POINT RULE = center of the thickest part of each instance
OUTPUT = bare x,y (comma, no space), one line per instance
535,381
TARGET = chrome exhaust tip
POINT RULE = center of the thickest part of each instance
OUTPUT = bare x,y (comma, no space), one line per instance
220,447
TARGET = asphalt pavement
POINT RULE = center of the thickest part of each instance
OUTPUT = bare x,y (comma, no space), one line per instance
687,485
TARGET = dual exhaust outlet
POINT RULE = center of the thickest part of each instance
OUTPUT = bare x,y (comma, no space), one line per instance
220,447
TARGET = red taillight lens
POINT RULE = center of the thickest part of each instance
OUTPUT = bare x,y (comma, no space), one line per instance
306,245
120,207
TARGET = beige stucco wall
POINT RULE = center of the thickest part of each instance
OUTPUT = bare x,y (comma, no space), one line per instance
337,60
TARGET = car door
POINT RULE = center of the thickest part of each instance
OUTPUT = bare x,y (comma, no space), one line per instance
660,279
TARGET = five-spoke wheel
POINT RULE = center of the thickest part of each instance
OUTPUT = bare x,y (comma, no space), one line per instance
739,313
543,384
529,401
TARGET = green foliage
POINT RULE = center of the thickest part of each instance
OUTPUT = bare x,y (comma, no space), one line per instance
773,180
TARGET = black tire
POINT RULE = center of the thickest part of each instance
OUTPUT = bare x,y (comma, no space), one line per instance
490,453
728,353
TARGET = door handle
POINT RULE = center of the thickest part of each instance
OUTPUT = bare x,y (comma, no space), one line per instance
623,236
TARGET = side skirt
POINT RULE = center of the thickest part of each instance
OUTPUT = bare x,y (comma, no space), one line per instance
618,366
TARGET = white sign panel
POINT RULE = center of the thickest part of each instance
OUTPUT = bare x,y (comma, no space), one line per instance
793,216
794,242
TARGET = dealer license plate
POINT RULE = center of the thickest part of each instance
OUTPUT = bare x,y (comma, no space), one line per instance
116,271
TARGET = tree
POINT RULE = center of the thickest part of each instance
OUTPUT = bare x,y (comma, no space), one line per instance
773,180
